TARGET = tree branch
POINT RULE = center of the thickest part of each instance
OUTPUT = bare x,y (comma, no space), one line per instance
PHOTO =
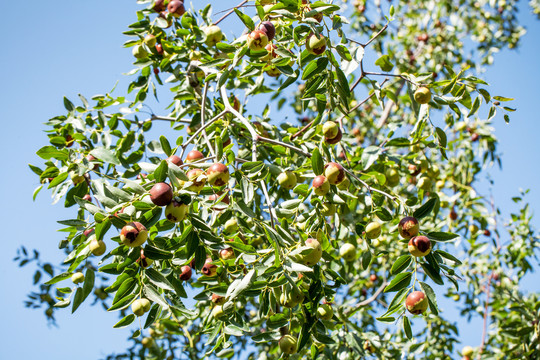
230,12
367,301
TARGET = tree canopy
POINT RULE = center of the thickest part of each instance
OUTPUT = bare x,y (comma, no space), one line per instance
316,192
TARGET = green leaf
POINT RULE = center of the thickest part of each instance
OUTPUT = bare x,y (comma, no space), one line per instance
425,209
501,98
401,281
165,145
48,152
156,254
369,156
432,300
226,48
77,300
160,174
384,63
407,327
105,155
127,320
401,264
432,273
442,236
59,278
315,67
68,104
122,303
317,162
448,256
158,279
245,19
126,288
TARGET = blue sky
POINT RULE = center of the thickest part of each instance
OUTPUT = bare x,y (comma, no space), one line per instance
62,48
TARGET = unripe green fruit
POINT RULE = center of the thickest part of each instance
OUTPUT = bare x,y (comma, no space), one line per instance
150,40
147,342
330,129
325,312
344,185
424,183
77,179
292,297
419,246
347,252
320,185
97,247
314,255
422,95
473,229
416,302
373,230
439,184
140,306
287,180
328,209
217,312
77,278
230,226
467,351
139,52
392,177
287,344
213,35
316,45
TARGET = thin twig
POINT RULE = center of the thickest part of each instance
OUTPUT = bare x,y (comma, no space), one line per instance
301,131
203,126
388,108
243,120
230,12
367,301
277,142
484,326
369,188
376,35
360,103
268,203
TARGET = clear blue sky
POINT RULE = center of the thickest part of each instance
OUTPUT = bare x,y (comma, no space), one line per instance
52,49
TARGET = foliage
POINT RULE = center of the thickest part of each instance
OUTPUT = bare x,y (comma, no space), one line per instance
402,156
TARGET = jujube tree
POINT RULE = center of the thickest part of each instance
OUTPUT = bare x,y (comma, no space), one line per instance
318,181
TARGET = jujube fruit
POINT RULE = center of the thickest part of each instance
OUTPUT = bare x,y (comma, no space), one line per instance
419,246
408,227
161,194
133,234
416,302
